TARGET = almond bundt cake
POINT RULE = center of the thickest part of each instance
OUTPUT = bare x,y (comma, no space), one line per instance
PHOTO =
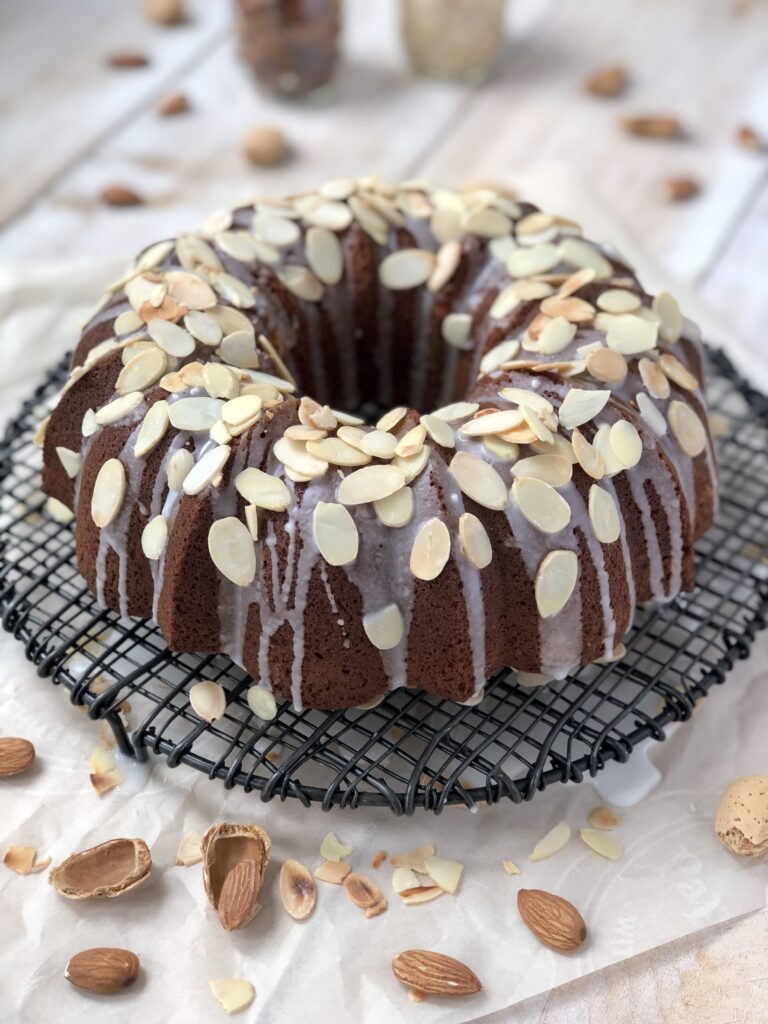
340,545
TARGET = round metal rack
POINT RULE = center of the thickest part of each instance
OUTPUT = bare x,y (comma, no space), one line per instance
411,750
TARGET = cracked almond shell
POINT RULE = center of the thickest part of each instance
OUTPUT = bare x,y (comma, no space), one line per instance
106,870
224,847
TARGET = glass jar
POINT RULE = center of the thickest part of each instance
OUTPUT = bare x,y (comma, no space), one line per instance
291,45
453,38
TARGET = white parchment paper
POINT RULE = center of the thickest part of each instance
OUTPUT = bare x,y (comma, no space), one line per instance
674,879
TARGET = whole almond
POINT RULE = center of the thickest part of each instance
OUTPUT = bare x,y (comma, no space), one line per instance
174,103
120,195
434,973
610,81
678,189
127,59
237,899
748,138
266,145
102,969
16,755
655,126
553,920
165,12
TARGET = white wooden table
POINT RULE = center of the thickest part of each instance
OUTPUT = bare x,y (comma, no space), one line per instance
69,124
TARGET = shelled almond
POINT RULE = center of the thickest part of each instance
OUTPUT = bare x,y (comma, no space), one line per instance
552,919
102,969
16,755
434,973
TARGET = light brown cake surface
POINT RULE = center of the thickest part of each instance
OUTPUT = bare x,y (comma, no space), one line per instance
535,459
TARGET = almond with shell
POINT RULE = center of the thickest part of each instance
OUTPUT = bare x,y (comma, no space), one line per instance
107,870
235,858
553,920
102,969
434,973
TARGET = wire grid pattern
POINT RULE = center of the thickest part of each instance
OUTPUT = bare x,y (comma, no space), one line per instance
411,750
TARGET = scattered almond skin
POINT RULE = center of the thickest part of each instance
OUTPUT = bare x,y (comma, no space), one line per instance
610,81
237,899
379,859
266,146
16,755
434,973
165,12
20,859
603,817
173,104
102,969
656,126
127,59
678,189
741,821
120,195
748,138
553,920
298,891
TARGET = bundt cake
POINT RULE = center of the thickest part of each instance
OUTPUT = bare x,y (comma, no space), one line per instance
340,545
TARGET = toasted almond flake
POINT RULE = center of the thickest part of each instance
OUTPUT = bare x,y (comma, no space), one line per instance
415,859
379,444
677,372
604,515
335,533
618,301
206,469
230,546
302,282
119,408
241,409
687,428
412,465
580,406
70,460
555,582
298,432
220,381
570,308
626,443
455,329
208,700
603,818
541,504
671,321
412,441
602,842
556,335
371,483
523,396
631,334
332,871
447,261
479,480
492,421
475,543
140,372
421,894
555,470
294,455
510,867
108,493
203,327
20,859
651,414
332,849
392,418
654,378
234,994
127,323
444,873
431,550
536,425
537,259
154,537
239,349
363,892
189,851
607,365
499,355
396,509
234,291
578,253
179,464
196,415
407,268
385,627
171,338
552,842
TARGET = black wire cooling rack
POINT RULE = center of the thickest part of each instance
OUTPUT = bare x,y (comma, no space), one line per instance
411,750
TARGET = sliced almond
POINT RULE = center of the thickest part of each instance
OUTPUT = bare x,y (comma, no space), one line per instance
580,406
510,867
475,543
604,515
552,842
298,891
421,894
333,871
234,994
371,483
603,818
445,873
108,493
479,480
602,842
404,878
20,859
335,533
431,550
385,627
105,782
208,700
189,851
230,546
541,504
415,859
407,268
555,582
687,428
362,891
332,849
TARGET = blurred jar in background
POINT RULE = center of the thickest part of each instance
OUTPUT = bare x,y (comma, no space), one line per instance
291,45
453,38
